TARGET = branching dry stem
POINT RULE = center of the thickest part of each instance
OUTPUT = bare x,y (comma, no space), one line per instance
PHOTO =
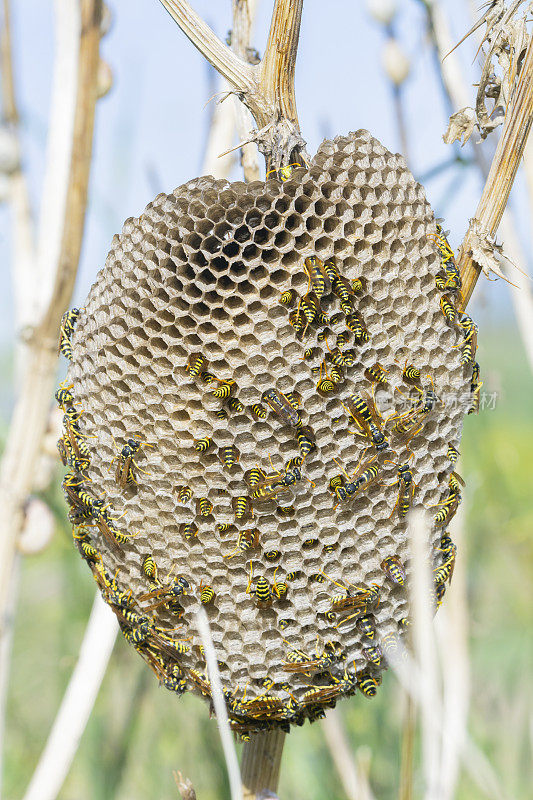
266,88
28,424
502,173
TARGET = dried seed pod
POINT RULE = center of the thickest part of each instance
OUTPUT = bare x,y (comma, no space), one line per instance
193,284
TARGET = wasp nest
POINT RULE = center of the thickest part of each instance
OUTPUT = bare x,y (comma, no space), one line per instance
265,378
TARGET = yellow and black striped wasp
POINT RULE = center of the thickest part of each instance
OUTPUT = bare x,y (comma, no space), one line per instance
364,413
316,275
368,685
261,592
475,389
284,173
394,569
355,324
406,488
451,503
64,397
246,540
364,475
357,601
196,364
241,507
411,422
282,407
126,464
67,325
167,593
300,663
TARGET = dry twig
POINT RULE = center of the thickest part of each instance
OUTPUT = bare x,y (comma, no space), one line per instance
266,88
354,779
219,703
77,54
77,704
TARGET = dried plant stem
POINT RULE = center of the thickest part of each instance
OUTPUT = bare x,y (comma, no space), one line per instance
23,261
78,29
243,17
266,88
77,704
452,638
458,96
353,779
219,703
504,167
408,746
261,762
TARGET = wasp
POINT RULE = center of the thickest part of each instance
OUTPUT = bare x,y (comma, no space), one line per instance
367,685
202,445
366,625
221,413
469,347
204,507
283,173
124,472
308,306
360,480
254,476
363,411
361,598
235,405
89,552
342,339
406,487
184,494
376,374
340,359
299,662
343,289
168,592
189,530
282,407
196,364
357,285
475,388
326,386
292,576
258,410
394,569
297,321
317,577
279,588
451,503
229,456
200,682
439,591
330,548
90,508
390,645
308,353
207,594
373,654
224,389
404,423
331,270
411,374
67,325
355,324
448,309
207,377
245,541
288,297
284,623
305,441
452,453
272,555
223,527
308,544
149,568
241,506
336,485
64,397
262,591
316,275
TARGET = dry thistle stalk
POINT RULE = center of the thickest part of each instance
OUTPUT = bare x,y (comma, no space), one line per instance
265,378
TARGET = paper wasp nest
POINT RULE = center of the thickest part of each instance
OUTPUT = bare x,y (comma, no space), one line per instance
202,272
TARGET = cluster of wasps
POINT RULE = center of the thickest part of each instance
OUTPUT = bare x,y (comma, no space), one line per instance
328,673
448,282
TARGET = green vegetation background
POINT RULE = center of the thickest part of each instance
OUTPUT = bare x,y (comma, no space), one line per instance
139,732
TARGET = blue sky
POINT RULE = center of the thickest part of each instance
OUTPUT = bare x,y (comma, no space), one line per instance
151,127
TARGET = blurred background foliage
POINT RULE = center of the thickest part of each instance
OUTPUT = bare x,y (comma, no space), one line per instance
150,129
